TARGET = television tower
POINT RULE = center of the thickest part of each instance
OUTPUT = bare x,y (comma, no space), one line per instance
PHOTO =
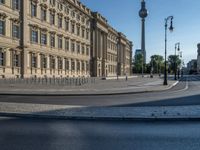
143,14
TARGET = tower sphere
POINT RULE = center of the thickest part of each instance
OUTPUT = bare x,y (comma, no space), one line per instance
143,13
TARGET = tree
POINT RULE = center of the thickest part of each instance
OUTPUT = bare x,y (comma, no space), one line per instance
157,63
174,62
138,63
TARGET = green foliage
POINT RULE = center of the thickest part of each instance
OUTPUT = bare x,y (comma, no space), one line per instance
174,62
157,64
138,63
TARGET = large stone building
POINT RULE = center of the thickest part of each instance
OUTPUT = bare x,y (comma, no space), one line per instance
59,38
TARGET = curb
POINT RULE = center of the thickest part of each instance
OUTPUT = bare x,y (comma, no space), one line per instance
90,94
94,118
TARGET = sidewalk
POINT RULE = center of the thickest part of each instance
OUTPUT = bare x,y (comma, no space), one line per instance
100,113
100,87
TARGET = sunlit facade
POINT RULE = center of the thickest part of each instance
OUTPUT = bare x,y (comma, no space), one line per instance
58,38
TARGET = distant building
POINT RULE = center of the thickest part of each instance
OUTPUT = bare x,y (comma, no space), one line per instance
192,66
137,52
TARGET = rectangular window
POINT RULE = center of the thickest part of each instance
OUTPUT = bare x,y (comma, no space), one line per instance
43,61
16,60
88,23
34,61
73,14
73,65
78,48
60,63
78,17
2,27
34,36
60,6
52,19
83,33
73,47
87,35
87,66
16,4
16,31
43,38
83,50
67,64
83,66
59,22
67,10
66,44
52,62
33,10
78,30
87,51
1,58
83,20
43,14
52,40
78,66
73,28
53,2
67,25
2,1
59,42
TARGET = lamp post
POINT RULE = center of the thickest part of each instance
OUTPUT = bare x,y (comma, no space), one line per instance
142,65
175,62
171,29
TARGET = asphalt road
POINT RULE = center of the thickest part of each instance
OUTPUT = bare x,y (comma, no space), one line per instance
36,134
185,93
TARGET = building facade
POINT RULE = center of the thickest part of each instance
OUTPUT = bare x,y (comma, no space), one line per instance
192,66
59,38
111,51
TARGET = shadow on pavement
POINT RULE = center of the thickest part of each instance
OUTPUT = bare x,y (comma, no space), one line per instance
181,101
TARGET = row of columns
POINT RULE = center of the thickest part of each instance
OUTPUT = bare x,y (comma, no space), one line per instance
100,52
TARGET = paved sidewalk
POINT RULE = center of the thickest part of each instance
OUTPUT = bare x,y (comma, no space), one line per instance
100,87
98,113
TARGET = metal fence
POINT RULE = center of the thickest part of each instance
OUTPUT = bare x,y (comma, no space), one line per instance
50,81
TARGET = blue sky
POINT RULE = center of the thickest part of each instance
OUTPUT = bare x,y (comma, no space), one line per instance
123,16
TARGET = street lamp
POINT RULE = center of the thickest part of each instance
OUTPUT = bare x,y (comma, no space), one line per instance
175,63
142,65
171,29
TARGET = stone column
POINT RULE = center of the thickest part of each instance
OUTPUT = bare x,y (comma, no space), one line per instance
25,36
75,66
63,63
70,66
48,61
8,58
28,59
38,60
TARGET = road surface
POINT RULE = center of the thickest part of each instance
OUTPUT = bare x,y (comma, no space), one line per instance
185,93
36,134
